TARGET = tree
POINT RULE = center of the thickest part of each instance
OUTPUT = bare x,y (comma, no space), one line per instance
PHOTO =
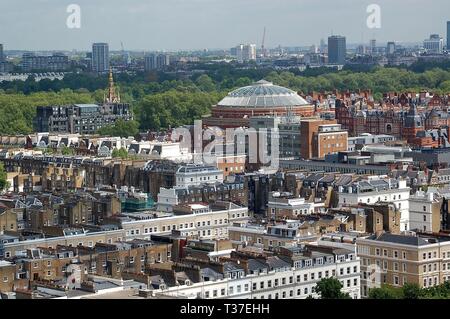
120,128
3,178
120,153
330,288
174,108
67,151
382,293
411,291
205,83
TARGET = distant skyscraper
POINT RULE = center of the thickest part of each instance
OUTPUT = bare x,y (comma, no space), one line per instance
434,45
337,49
162,60
100,57
361,49
373,45
313,49
390,48
448,35
2,57
156,61
245,52
150,62
323,46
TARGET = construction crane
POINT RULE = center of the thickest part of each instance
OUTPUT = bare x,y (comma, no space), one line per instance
263,49
125,56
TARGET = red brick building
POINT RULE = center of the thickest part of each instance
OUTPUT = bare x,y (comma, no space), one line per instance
260,99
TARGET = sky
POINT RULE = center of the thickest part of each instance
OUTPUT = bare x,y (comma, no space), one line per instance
199,24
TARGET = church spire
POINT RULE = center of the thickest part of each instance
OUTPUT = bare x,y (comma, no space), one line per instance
112,97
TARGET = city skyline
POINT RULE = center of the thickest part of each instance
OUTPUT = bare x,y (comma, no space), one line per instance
198,24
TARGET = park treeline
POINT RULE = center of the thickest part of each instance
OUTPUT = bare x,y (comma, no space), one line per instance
161,101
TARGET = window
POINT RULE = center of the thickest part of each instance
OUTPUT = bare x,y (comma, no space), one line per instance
396,280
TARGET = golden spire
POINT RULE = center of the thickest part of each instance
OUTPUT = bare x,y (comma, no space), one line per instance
112,97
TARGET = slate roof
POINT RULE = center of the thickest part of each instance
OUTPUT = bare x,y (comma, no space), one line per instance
400,239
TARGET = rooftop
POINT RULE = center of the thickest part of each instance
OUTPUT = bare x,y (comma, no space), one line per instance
407,239
262,94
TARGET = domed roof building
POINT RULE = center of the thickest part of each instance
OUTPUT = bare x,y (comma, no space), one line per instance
259,99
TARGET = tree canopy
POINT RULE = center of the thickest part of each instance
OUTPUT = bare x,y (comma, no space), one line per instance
120,153
161,100
120,128
331,288
411,291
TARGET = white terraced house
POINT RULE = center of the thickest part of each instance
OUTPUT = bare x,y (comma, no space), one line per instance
276,277
378,189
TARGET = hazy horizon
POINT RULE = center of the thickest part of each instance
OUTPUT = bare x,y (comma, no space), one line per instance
175,25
